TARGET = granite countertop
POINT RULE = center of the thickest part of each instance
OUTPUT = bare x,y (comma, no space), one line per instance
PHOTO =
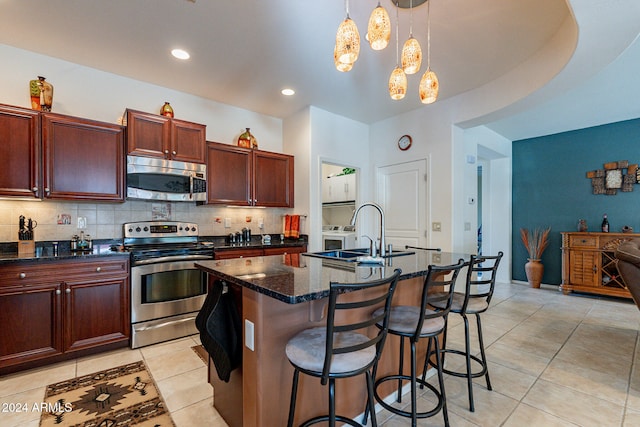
297,278
45,253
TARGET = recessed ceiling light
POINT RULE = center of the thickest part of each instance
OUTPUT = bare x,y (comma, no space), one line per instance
288,92
180,54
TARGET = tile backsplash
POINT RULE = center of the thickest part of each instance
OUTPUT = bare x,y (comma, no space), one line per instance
59,220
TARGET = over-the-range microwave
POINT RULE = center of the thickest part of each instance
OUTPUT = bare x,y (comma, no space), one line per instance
150,178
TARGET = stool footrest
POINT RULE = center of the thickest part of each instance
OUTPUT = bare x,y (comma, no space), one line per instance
463,374
323,418
399,411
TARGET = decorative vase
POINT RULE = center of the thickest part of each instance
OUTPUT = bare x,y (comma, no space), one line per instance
247,140
41,93
166,110
534,270
582,225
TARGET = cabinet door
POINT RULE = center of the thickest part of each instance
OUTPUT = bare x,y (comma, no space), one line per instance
20,152
350,187
188,141
96,312
272,179
148,134
584,268
31,319
228,174
83,159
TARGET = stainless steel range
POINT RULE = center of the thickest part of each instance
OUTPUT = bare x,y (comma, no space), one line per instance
167,291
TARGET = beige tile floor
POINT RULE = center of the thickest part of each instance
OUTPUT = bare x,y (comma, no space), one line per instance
555,360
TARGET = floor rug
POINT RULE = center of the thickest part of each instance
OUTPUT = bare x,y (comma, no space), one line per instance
202,353
121,396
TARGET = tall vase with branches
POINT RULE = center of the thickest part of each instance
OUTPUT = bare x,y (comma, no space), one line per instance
535,241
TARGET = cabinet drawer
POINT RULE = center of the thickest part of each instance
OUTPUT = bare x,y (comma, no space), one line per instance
583,241
94,267
37,272
238,253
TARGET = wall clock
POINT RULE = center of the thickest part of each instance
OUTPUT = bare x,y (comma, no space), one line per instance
404,142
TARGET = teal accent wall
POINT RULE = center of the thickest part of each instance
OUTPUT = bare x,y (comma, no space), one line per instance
550,188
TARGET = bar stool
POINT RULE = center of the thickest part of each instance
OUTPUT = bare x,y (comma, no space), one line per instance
351,348
414,323
481,280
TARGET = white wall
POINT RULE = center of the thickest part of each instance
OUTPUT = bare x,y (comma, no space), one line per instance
86,92
326,137
93,94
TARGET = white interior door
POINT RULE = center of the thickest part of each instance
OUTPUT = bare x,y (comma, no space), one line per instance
402,192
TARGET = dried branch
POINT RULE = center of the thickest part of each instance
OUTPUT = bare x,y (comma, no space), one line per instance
535,242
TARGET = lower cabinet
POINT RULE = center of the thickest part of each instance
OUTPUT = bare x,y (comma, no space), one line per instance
246,252
52,311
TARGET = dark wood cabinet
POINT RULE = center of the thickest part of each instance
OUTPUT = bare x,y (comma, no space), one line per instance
51,311
53,156
247,252
245,177
272,179
153,135
83,159
20,174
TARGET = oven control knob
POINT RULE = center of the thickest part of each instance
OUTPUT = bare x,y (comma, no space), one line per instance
193,229
131,230
180,228
146,229
138,229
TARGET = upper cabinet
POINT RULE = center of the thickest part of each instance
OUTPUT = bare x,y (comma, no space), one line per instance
20,152
84,159
153,135
54,156
244,177
339,188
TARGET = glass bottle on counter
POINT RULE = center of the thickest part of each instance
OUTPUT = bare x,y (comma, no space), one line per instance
605,224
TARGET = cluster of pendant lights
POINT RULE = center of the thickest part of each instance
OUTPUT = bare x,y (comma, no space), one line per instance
347,49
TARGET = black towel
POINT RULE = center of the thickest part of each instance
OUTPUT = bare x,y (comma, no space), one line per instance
220,330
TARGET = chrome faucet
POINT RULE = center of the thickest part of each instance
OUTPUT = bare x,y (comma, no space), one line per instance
381,237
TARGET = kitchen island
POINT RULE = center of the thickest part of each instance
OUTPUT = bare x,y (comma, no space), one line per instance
277,297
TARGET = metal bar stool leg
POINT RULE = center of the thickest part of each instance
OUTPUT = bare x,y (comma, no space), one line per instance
294,393
485,367
400,369
467,343
439,361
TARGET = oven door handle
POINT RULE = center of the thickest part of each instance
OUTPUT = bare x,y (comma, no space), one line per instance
191,186
167,323
172,258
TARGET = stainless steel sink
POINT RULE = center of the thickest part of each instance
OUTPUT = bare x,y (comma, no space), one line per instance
351,255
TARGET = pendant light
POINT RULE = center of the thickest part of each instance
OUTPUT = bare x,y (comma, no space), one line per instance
379,29
341,66
398,79
411,51
347,40
429,85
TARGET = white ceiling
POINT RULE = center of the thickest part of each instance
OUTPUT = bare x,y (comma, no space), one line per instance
244,52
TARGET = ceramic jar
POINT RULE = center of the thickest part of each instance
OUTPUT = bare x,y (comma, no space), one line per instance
247,140
166,110
41,93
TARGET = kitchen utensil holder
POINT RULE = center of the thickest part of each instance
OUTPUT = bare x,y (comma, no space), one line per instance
26,247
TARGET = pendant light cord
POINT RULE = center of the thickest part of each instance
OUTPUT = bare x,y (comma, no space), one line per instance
428,35
410,18
397,37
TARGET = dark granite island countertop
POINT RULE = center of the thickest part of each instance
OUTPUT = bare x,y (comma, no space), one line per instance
298,278
280,295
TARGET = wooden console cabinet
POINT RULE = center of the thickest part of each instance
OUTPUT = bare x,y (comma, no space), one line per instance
588,264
